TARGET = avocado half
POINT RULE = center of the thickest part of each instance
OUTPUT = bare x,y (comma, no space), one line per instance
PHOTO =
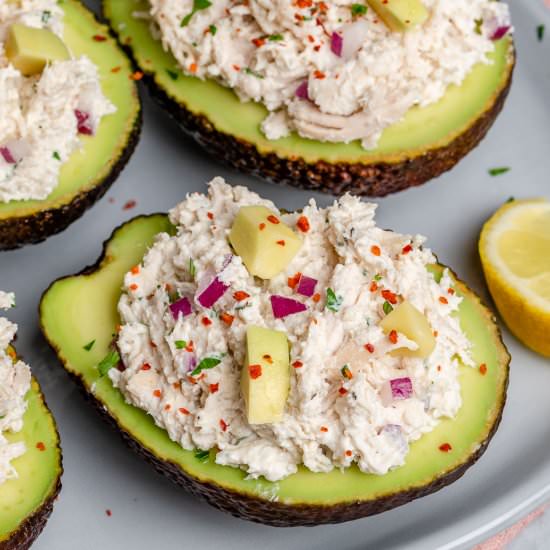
88,302
87,175
27,502
425,144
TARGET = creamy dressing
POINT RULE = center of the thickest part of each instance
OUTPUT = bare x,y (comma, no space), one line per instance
39,128
329,421
270,51
15,379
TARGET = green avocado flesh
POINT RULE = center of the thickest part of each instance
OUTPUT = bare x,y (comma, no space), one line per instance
90,165
78,309
422,129
39,471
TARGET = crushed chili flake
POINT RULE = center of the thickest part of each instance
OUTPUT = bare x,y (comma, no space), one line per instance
236,67
128,205
316,297
157,393
483,369
451,291
406,249
281,242
193,68
297,364
294,280
241,295
349,453
273,219
183,410
373,286
317,48
189,347
206,321
262,226
324,429
137,75
443,300
133,286
323,8
255,371
369,347
445,447
438,368
167,407
223,425
346,372
303,224
191,380
176,385
210,215
435,333
319,75
214,387
135,270
393,336
310,38
258,42
108,512
304,3
389,296
116,69
268,358
40,446
375,250
99,38
227,318
342,391
145,366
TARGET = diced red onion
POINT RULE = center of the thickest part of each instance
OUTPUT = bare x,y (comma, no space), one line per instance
396,389
306,286
227,260
353,37
189,361
336,44
500,32
181,307
83,122
7,155
210,289
283,306
302,91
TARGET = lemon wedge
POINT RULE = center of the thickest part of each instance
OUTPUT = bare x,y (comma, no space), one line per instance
514,247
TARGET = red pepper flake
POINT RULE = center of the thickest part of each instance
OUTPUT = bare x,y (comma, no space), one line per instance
316,297
438,368
262,226
349,453
176,385
206,321
40,446
393,337
324,429
223,425
346,372
406,249
451,291
273,219
303,224
227,318
323,8
193,68
210,215
128,205
342,391
319,75
375,250
317,48
157,393
267,358
145,366
108,513
168,287
297,364
389,296
443,300
135,270
184,411
133,286
369,347
236,67
483,369
137,75
99,38
167,407
258,42
190,347
293,281
435,333
116,69
445,448
191,380
255,371
373,286
310,38
240,295
281,242
302,4
214,387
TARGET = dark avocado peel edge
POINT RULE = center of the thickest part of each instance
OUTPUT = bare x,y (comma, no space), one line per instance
371,174
21,536
258,500
30,222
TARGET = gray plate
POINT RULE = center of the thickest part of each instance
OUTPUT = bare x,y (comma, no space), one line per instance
147,510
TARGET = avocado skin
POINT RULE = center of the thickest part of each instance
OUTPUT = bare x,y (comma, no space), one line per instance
280,514
18,231
27,532
371,179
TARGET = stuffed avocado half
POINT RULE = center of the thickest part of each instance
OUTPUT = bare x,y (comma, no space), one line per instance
353,475
426,142
87,163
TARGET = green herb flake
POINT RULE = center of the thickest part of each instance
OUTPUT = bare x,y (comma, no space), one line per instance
180,344
378,277
510,199
201,455
275,37
56,155
498,171
540,32
108,362
46,15
387,307
89,345
198,5
478,25
192,268
213,30
249,71
358,9
333,301
172,74
206,363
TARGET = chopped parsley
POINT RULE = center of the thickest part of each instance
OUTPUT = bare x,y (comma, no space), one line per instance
387,307
213,30
56,155
108,362
180,344
202,455
378,277
192,268
358,9
89,345
206,363
198,5
172,74
275,37
333,301
498,171
249,71
478,25
540,32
